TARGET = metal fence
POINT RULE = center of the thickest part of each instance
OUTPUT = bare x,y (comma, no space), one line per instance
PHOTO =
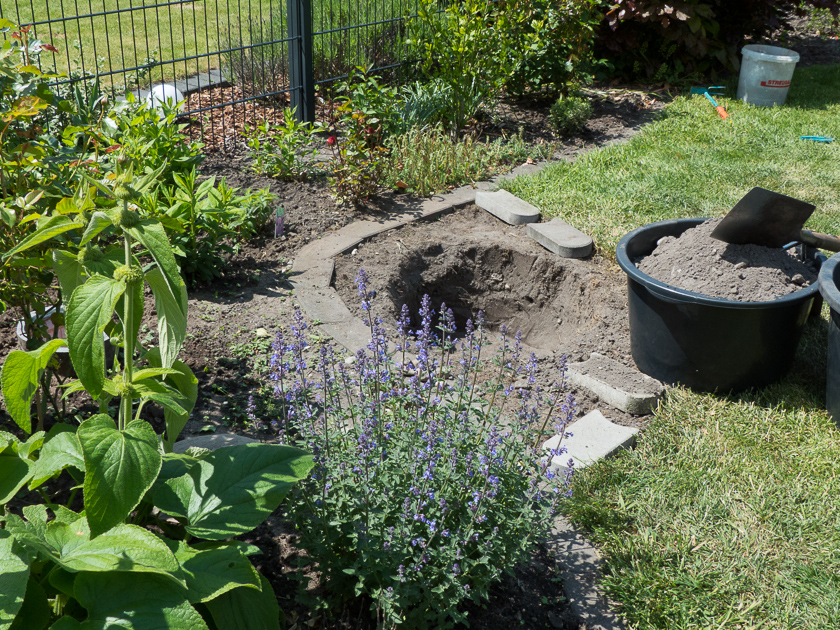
238,62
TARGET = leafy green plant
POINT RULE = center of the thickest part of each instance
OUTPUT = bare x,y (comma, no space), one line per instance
40,162
69,569
458,49
480,49
286,151
551,43
366,93
207,221
570,113
428,484
357,159
646,37
149,139
422,103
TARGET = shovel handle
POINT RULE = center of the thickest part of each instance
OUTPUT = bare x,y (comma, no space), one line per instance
823,241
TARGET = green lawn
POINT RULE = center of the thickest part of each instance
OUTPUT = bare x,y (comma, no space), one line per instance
726,514
690,163
195,31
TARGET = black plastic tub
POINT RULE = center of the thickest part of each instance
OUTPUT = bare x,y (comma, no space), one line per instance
706,343
829,279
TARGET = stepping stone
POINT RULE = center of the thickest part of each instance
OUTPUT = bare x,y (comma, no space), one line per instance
507,207
559,237
616,384
211,442
593,437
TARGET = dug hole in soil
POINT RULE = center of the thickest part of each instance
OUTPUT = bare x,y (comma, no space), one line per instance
225,317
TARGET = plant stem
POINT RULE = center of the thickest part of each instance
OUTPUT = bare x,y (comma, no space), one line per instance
128,338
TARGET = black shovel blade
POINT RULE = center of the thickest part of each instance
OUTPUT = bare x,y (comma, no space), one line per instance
764,217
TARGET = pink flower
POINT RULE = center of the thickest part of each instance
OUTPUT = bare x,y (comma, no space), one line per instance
331,140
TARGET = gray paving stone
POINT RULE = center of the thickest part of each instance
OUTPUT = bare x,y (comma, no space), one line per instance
593,437
617,385
212,442
580,569
203,80
507,207
559,237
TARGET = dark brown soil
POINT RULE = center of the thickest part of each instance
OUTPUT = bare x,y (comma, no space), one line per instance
696,262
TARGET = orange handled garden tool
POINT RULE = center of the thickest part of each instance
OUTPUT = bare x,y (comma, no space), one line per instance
707,92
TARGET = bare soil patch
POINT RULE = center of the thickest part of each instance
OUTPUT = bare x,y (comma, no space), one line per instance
696,262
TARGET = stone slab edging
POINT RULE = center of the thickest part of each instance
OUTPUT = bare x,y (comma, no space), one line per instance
311,276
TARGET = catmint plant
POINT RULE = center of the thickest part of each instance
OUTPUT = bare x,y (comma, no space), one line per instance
429,477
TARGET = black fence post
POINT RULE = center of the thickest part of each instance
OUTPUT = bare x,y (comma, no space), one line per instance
301,74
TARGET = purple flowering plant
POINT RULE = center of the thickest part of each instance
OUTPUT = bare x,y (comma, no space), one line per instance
429,479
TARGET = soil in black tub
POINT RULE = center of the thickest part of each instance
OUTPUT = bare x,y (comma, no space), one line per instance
696,262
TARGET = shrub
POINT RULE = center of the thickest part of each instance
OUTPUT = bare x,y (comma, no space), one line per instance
480,49
149,140
570,113
553,43
362,114
429,480
462,47
661,39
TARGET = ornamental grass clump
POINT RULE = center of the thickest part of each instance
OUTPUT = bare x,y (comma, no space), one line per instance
429,480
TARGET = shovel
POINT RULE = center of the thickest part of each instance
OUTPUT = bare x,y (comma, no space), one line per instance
764,217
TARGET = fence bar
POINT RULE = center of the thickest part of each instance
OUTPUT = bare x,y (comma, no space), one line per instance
306,44
299,15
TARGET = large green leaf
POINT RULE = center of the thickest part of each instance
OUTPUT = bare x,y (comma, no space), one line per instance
36,610
66,623
14,574
138,602
68,269
61,449
33,443
30,538
150,233
123,548
98,222
169,397
186,383
171,315
107,265
52,227
120,466
89,311
14,473
246,609
233,489
211,572
19,380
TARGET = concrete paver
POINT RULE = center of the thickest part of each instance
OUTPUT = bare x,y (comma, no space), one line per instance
562,239
591,438
507,207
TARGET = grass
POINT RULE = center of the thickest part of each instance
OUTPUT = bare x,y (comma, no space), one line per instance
135,31
726,513
690,163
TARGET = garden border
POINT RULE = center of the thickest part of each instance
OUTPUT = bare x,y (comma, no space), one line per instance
312,276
